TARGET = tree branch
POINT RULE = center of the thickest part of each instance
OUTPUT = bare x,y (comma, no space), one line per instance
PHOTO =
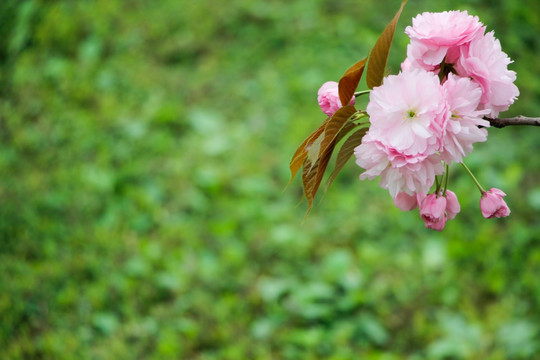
518,120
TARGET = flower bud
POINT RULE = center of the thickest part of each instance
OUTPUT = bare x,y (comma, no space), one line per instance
492,204
328,97
452,205
433,211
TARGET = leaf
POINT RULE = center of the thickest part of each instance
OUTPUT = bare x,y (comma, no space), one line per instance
312,175
302,151
309,173
379,54
346,130
314,167
349,81
346,151
334,126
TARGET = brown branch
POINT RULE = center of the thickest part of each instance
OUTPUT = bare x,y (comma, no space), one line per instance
518,120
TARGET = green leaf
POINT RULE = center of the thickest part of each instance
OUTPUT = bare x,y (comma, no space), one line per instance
346,151
349,81
379,56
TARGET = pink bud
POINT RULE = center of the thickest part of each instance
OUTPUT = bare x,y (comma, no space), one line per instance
492,204
328,97
433,211
405,202
452,205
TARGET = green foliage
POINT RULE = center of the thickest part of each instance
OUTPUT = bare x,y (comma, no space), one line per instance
142,152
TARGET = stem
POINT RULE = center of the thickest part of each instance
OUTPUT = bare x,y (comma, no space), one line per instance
360,114
518,120
363,92
446,179
482,191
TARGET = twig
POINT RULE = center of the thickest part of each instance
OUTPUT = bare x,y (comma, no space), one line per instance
518,120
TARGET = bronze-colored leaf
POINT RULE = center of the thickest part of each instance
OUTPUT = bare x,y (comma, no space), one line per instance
334,126
379,55
312,176
309,173
345,130
346,151
302,151
315,166
349,81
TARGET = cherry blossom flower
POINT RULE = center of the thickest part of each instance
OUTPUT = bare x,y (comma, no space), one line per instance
407,112
399,172
436,36
452,205
461,129
485,62
406,202
493,205
433,211
328,98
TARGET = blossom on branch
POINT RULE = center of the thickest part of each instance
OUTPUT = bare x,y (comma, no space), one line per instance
407,112
485,62
328,98
436,36
421,120
400,173
493,205
462,127
433,211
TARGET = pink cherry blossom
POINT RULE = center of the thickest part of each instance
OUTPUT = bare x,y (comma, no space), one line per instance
328,98
433,211
435,36
405,202
398,172
461,130
452,205
407,112
485,62
493,205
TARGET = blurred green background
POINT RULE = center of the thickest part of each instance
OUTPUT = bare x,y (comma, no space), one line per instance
144,149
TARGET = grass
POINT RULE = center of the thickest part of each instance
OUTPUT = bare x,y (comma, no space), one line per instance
144,151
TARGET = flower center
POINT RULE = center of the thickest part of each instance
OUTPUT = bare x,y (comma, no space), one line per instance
410,115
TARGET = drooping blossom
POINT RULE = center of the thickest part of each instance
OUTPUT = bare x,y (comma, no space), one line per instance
452,205
492,204
485,62
399,173
433,211
328,98
436,36
407,112
406,202
461,129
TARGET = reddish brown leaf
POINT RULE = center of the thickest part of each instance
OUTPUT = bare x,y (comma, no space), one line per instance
334,126
302,151
349,82
379,54
312,175
309,173
345,130
347,149
315,166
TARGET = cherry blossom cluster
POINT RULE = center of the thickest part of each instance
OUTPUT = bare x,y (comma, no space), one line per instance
431,113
